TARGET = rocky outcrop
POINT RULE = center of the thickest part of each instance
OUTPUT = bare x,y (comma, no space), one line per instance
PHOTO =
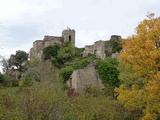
85,77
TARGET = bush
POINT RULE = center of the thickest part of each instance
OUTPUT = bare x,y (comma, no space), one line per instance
107,70
78,64
112,46
15,83
66,73
1,78
51,51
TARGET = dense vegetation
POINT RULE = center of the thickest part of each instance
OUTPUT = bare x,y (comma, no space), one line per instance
113,45
78,64
132,82
140,70
108,72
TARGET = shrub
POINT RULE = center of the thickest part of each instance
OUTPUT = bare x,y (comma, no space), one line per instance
66,73
78,64
107,70
51,51
15,83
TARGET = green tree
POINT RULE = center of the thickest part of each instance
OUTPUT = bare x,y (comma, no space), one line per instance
18,59
113,45
4,63
65,54
51,51
1,78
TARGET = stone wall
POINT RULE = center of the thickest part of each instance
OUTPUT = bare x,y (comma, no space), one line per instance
85,77
89,49
97,49
53,40
38,45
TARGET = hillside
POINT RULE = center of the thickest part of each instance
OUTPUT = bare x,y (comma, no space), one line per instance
101,81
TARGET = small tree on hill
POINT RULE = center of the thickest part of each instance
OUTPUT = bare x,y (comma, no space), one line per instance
18,59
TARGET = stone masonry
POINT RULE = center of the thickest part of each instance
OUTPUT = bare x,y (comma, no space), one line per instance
39,45
98,48
85,77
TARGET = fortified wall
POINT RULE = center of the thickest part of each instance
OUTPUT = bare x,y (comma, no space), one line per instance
38,45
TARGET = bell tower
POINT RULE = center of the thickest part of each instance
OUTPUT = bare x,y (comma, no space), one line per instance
69,35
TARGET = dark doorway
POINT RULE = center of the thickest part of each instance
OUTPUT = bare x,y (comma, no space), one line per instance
69,38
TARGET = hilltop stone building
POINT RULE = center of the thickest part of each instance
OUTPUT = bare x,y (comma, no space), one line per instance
38,45
83,77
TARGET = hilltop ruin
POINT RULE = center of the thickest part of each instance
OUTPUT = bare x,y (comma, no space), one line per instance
39,45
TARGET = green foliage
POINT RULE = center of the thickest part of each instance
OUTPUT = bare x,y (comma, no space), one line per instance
78,64
93,105
27,82
47,100
42,101
39,72
107,70
9,90
18,59
8,81
60,55
51,51
65,54
116,46
15,83
113,46
1,78
65,73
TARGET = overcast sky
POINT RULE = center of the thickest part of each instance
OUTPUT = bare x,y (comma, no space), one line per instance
24,21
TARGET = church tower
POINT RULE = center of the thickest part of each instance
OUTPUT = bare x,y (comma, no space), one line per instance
69,35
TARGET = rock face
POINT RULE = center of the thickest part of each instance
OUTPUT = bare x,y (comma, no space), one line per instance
84,77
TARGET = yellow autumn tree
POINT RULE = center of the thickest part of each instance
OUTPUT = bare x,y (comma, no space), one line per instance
140,69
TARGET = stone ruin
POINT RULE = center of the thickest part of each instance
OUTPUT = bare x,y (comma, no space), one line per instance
81,77
98,48
39,45
86,76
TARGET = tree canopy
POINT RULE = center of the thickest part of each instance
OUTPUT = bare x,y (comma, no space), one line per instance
18,59
108,72
140,69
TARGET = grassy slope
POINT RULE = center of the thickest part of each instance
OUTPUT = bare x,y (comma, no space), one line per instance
9,90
